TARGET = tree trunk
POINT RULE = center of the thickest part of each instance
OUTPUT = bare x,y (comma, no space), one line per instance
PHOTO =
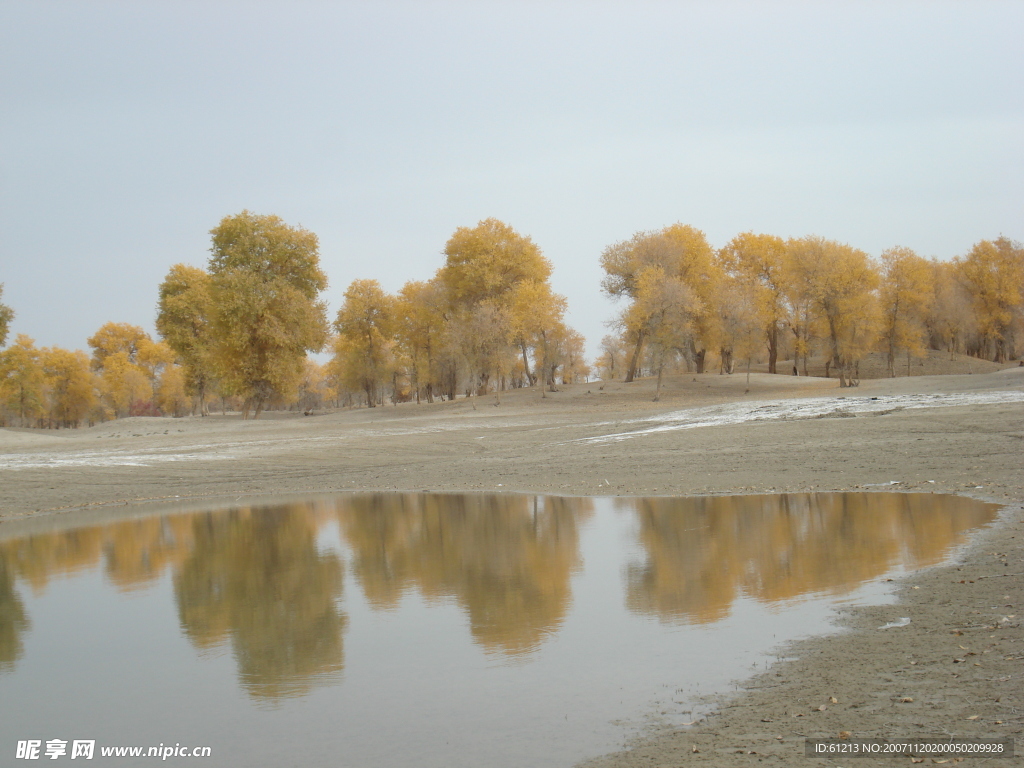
526,364
773,347
727,362
634,361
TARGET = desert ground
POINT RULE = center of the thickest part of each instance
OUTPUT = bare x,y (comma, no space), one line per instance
955,669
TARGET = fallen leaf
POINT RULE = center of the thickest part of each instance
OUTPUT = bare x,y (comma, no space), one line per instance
822,708
844,734
693,748
766,720
906,699
833,700
973,717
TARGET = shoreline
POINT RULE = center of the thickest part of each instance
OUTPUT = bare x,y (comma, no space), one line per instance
521,446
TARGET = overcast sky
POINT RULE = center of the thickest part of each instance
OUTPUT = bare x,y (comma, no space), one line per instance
129,129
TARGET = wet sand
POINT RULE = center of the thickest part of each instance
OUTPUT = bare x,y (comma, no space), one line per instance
959,659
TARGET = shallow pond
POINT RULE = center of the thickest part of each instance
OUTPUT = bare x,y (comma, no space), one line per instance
432,629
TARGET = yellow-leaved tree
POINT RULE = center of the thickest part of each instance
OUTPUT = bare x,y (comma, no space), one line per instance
680,257
22,385
906,294
839,284
130,365
420,333
758,262
363,352
184,315
265,283
70,385
993,274
499,299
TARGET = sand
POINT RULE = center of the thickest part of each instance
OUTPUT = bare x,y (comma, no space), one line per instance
959,659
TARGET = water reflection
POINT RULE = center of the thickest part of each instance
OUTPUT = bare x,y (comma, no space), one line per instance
257,581
506,560
13,620
256,578
703,553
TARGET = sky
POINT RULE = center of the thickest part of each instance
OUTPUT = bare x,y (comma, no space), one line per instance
128,130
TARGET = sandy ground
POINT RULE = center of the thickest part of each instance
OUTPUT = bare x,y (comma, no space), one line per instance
960,660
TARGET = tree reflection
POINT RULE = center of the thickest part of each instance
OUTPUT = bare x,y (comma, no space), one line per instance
505,559
702,553
13,619
255,577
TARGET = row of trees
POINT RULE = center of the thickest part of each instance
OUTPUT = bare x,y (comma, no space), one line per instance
242,328
487,321
128,374
760,294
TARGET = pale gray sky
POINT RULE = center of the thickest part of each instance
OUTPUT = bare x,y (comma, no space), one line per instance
129,129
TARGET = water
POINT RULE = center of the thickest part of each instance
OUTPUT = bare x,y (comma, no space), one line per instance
431,629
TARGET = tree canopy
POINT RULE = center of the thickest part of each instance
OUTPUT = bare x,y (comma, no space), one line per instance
265,282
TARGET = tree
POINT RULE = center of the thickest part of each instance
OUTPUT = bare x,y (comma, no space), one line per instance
993,273
665,307
906,293
265,280
115,338
533,310
681,253
6,315
21,380
170,394
365,326
838,283
495,276
613,353
124,385
184,315
70,384
420,332
759,261
951,317
130,365
488,261
742,324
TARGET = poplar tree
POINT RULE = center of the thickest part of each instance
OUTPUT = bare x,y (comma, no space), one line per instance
265,283
906,293
184,316
363,349
993,274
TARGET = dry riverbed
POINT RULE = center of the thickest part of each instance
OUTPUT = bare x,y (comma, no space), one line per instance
955,669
